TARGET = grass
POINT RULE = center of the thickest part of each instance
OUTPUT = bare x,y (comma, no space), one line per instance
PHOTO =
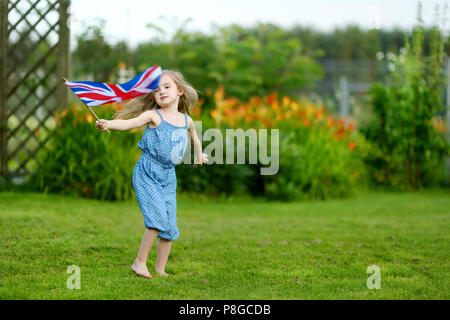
230,250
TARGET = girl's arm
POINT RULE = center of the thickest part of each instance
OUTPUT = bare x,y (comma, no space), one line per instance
123,125
199,157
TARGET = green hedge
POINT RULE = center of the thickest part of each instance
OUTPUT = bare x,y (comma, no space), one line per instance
85,162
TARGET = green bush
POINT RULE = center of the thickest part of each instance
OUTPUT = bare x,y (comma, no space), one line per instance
408,151
316,165
319,157
84,162
216,179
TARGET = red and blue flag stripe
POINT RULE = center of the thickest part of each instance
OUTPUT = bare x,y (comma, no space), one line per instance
98,93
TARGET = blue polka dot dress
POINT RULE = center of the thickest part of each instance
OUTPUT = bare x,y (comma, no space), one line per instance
154,178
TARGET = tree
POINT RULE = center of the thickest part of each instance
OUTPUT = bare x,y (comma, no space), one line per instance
95,57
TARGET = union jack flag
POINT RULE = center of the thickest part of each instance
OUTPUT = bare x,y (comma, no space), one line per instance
98,93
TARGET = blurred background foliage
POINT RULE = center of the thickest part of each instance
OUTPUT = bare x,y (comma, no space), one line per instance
411,145
256,78
81,162
320,156
247,61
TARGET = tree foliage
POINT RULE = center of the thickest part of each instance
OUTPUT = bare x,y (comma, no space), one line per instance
410,151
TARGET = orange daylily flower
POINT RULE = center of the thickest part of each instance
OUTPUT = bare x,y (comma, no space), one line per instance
309,110
232,101
330,122
336,135
267,123
64,113
351,146
196,111
294,106
340,132
270,111
271,98
286,101
301,114
288,114
256,100
319,113
220,94
248,118
275,107
279,117
228,112
214,114
351,127
89,117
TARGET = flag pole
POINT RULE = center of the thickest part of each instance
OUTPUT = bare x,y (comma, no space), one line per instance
89,108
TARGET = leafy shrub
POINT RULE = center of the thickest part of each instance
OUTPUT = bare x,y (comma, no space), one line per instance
320,156
84,162
316,165
408,149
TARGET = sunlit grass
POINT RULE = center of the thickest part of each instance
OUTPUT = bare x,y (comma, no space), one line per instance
238,249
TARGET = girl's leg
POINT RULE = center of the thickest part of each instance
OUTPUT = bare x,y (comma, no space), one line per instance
162,256
140,264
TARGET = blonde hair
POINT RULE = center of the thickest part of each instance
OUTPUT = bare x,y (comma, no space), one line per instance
136,106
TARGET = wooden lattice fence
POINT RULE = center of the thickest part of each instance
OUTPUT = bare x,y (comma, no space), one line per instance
34,53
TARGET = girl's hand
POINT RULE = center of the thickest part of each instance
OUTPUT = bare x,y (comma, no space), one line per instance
101,124
204,160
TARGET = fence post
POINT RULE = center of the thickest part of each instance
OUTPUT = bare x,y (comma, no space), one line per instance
344,103
63,52
3,86
447,167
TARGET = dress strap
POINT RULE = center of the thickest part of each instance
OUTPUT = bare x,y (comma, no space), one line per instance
159,114
186,119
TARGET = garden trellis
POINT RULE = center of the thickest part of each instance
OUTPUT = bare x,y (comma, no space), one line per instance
34,39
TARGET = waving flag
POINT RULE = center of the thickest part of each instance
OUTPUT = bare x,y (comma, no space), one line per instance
98,93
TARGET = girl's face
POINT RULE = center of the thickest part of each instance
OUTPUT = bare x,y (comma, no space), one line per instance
167,92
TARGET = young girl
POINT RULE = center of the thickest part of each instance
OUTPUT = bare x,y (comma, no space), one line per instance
164,112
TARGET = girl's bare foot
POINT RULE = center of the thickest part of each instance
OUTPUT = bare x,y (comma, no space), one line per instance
141,270
162,274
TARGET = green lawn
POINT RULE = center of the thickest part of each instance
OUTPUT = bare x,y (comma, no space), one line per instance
230,250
